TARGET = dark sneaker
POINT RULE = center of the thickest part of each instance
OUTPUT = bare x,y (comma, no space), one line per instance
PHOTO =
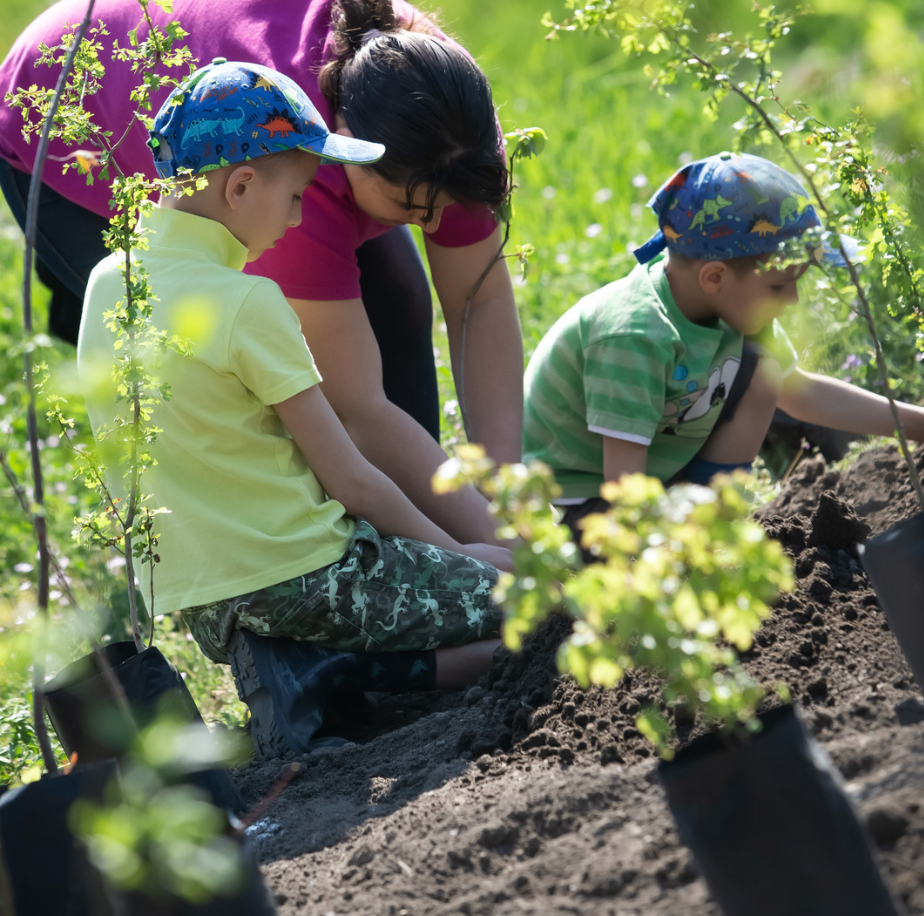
264,731
287,684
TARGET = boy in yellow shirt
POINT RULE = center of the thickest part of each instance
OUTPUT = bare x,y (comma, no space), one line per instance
288,554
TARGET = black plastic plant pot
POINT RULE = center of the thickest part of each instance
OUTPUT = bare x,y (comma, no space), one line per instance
894,562
84,713
47,870
48,873
770,827
88,721
250,896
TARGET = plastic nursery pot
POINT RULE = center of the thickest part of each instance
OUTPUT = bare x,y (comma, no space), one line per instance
894,562
249,896
770,828
88,721
46,869
48,873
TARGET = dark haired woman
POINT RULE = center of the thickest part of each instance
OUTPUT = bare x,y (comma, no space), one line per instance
382,71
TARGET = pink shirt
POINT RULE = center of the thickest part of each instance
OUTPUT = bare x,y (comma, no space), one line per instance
317,260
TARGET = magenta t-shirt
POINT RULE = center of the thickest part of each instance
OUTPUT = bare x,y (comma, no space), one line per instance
316,260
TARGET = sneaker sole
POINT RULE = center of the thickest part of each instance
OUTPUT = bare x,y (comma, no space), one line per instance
264,732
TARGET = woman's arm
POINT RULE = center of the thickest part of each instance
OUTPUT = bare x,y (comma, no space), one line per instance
362,489
347,357
491,366
834,403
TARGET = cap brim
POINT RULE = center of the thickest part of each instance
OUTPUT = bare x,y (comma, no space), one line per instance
831,250
346,150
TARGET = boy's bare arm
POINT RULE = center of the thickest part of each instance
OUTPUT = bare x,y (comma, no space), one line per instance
831,402
623,457
360,487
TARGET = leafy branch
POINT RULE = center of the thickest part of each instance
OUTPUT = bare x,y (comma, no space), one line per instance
63,115
37,514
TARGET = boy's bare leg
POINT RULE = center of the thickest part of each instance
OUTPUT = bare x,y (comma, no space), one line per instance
739,440
460,666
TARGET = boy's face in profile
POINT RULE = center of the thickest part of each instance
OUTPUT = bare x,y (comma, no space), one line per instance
274,202
748,300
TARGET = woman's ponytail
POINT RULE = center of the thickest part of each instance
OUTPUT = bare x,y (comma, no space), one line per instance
351,22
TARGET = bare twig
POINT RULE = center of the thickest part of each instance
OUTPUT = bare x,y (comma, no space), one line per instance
803,445
278,787
23,499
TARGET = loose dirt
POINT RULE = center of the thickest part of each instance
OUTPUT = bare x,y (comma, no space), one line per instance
527,795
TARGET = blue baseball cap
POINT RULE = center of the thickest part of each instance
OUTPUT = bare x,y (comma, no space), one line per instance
229,112
735,206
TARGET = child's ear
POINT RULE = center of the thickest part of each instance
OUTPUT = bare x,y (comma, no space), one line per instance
712,275
237,185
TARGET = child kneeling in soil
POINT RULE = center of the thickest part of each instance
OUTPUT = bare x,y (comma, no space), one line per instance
676,370
288,554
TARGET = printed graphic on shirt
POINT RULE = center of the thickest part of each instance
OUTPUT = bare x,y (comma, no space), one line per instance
694,411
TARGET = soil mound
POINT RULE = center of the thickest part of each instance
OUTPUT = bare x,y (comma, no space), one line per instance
528,795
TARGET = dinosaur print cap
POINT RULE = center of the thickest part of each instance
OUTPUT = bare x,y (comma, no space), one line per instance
228,112
735,206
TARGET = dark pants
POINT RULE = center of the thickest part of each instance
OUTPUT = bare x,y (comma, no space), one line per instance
68,245
396,294
394,286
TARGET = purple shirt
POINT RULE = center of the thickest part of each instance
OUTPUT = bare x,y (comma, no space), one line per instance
316,260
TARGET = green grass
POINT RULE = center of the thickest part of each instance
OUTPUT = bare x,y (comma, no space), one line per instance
612,141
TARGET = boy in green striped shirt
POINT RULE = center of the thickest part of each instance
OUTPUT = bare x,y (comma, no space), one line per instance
676,370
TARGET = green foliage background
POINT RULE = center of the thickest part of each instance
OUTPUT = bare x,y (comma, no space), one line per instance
581,204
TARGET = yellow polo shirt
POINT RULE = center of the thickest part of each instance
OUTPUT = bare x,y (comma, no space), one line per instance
245,510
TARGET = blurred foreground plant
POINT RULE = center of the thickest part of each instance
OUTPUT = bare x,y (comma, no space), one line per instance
685,579
153,833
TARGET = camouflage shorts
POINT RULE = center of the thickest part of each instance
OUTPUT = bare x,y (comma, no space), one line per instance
385,594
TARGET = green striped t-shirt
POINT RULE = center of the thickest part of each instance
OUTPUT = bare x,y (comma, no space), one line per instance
625,362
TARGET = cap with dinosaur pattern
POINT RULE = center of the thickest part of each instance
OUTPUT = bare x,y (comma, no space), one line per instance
229,112
735,206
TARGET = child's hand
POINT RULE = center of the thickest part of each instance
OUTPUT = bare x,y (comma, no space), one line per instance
500,557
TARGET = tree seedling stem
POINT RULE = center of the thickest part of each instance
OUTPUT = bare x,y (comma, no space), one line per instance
38,513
